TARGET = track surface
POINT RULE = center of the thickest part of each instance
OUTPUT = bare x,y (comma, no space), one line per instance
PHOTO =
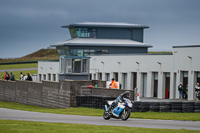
10,114
21,69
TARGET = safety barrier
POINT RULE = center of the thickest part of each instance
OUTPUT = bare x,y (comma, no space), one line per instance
97,101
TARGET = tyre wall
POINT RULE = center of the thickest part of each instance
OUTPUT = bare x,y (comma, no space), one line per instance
98,101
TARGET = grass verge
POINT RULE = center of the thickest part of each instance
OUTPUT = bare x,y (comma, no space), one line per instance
18,66
13,126
99,112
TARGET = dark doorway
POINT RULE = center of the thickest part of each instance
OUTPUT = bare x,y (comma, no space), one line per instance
155,84
185,84
116,76
167,85
134,80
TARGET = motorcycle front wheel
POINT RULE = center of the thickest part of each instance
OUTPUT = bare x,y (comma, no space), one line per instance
106,115
125,114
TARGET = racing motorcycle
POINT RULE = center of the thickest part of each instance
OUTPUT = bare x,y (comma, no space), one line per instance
121,111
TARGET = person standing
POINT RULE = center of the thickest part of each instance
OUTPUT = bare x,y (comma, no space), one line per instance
197,89
113,85
21,76
7,76
4,77
29,78
12,76
180,89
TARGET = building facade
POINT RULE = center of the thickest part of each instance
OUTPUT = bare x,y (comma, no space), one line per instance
102,51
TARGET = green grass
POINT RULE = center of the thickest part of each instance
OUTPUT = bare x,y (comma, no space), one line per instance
13,126
99,112
18,66
17,73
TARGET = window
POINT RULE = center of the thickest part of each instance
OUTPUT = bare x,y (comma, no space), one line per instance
73,32
68,65
94,77
107,76
76,52
85,32
76,65
124,80
100,76
40,77
85,66
49,76
63,50
115,75
61,65
54,77
44,76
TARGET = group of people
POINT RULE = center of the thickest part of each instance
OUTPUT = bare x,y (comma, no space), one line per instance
11,76
183,91
8,76
25,77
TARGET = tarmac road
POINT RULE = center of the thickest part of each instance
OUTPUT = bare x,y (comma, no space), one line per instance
21,69
10,114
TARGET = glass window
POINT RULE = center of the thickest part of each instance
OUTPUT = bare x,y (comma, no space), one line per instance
68,65
85,66
73,32
60,64
63,50
76,65
85,32
92,51
105,51
76,52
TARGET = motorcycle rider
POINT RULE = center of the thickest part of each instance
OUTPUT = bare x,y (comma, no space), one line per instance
120,98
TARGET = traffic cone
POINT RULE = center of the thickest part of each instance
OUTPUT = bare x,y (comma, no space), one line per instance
138,97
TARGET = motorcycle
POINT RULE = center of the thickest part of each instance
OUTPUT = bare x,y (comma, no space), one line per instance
121,111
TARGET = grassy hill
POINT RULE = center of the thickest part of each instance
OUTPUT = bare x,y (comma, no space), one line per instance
42,54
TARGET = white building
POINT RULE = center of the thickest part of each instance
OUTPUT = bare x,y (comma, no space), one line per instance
101,51
153,75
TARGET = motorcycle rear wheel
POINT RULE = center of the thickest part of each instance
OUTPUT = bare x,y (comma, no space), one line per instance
125,114
106,115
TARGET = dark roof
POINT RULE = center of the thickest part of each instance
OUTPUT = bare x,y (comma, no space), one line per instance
101,42
101,24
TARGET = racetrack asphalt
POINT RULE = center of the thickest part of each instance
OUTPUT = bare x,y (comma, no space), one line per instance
10,114
21,69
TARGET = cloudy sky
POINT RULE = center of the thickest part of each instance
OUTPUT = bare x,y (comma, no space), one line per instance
29,25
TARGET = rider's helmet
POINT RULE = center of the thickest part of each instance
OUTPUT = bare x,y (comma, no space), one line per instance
126,94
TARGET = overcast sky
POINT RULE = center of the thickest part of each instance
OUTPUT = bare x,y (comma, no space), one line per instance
29,25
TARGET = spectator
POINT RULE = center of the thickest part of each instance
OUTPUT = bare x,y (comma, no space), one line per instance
197,89
180,89
21,76
29,78
7,77
12,76
24,77
113,85
4,77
